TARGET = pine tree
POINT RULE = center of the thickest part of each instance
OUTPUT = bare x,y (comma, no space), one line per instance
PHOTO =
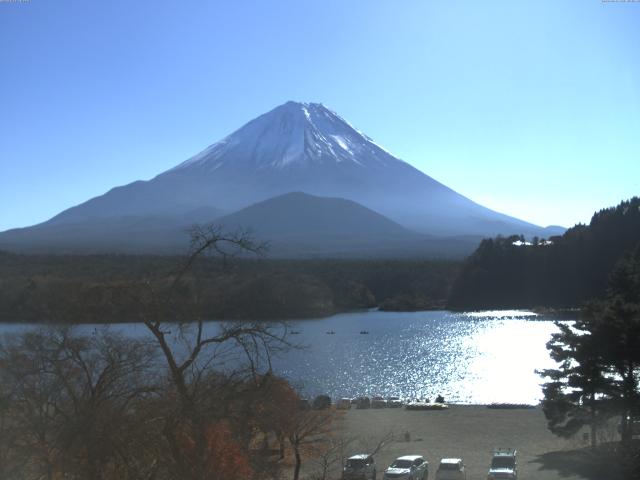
599,359
578,391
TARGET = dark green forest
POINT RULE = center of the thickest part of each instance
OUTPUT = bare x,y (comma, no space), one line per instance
101,288
504,272
561,272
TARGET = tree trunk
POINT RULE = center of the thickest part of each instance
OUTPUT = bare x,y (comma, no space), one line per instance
593,425
281,445
629,385
625,432
296,471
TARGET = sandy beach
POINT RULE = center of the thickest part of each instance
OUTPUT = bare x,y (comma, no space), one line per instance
469,432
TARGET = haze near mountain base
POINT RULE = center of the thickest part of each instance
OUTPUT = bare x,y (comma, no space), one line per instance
296,147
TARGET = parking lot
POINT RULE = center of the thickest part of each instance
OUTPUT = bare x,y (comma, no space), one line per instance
468,432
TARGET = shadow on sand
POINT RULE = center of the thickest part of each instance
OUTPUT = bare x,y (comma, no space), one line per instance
609,461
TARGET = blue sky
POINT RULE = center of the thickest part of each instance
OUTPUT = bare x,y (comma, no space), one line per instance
531,108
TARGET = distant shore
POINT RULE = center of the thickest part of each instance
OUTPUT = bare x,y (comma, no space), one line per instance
556,314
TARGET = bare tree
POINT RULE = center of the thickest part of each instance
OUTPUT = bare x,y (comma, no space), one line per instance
375,445
308,433
73,403
180,405
192,349
333,456
338,447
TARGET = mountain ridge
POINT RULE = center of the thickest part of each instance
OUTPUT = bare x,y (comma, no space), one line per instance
295,147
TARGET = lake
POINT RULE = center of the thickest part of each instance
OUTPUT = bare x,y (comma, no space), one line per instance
478,357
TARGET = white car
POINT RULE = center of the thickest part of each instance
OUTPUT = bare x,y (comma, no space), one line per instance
359,467
451,469
408,467
504,465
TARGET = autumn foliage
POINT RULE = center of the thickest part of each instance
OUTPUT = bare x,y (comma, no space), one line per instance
191,401
223,454
94,407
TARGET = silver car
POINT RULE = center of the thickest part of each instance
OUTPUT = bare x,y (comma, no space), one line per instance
408,467
504,465
451,469
359,467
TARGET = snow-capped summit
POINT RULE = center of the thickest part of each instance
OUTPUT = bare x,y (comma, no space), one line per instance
296,147
290,135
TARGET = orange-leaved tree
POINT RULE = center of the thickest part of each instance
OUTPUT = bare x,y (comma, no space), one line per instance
224,457
276,408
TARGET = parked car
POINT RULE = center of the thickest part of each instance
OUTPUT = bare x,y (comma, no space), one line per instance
451,469
378,402
363,402
359,467
408,467
344,404
504,464
394,402
321,402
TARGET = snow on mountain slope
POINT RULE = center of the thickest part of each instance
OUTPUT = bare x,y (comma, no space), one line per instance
296,147
292,134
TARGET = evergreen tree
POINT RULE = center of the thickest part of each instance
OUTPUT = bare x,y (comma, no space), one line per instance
565,271
578,391
617,325
599,359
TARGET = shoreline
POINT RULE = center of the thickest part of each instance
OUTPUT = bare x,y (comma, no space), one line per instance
535,317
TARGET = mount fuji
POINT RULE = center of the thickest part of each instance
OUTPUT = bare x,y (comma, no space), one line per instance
296,147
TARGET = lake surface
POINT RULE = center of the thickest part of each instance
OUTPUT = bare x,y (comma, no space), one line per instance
467,357
480,357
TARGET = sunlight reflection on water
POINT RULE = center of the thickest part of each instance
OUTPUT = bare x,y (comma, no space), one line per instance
479,357
475,357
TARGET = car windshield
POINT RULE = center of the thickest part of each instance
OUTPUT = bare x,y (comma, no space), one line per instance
355,463
449,466
502,462
401,464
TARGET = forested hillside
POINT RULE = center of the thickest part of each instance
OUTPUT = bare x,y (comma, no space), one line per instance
106,288
562,271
